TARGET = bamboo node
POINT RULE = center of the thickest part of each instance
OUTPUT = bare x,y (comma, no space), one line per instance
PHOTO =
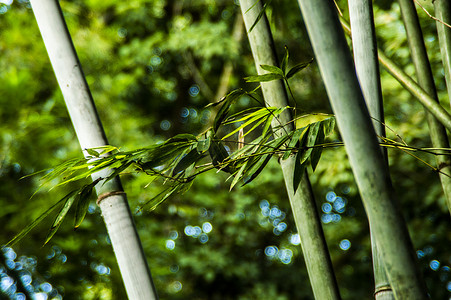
106,195
382,289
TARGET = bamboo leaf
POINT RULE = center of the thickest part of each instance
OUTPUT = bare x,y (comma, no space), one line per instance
260,14
297,68
38,220
218,155
299,169
316,153
93,152
118,170
82,199
311,138
158,199
224,110
238,175
284,63
203,145
272,69
294,140
263,78
328,126
257,168
69,198
189,159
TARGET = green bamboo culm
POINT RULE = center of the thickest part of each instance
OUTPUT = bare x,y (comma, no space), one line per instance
367,67
313,243
443,14
366,159
423,69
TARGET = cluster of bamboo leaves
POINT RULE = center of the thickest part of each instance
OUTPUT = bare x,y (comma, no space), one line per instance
181,158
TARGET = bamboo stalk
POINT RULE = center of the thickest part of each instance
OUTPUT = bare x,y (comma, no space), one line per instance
409,84
423,69
112,200
443,12
367,67
366,159
313,243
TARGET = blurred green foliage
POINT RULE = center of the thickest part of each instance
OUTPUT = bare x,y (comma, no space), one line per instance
150,64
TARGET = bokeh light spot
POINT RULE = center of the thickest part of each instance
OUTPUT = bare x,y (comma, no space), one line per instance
345,244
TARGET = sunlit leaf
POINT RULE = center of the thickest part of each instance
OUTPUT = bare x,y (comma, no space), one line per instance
92,152
328,125
263,78
272,69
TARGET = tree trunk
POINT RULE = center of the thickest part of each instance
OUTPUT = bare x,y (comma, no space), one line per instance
366,159
367,66
112,200
313,243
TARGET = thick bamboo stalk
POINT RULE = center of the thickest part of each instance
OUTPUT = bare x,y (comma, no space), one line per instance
367,67
423,69
443,13
313,243
366,159
112,200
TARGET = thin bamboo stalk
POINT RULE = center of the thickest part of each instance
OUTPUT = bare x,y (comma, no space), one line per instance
112,200
367,67
409,84
366,159
313,243
443,12
423,69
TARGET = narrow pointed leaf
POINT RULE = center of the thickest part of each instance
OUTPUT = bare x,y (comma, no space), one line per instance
297,68
328,126
203,145
311,138
299,169
38,220
272,69
257,168
224,110
118,170
189,159
69,198
260,14
83,203
93,152
284,63
263,78
316,153
238,175
294,140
